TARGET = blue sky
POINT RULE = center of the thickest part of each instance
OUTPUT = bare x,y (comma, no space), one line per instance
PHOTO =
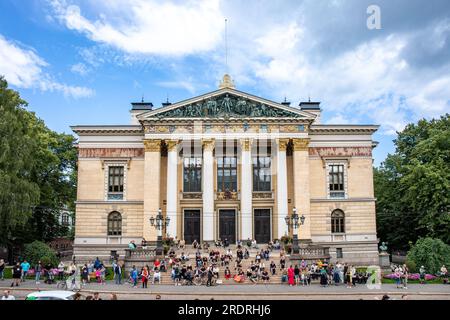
83,62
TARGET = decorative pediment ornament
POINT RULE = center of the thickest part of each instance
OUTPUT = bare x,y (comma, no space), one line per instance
226,106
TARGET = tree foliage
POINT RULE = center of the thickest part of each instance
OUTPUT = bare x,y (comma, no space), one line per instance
37,173
430,253
412,186
19,192
39,251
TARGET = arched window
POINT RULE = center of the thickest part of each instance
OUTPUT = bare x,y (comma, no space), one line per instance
114,224
337,221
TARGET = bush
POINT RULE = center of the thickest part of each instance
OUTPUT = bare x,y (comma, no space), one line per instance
39,251
412,267
430,253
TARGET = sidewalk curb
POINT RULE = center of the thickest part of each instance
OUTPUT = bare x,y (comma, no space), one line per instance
247,293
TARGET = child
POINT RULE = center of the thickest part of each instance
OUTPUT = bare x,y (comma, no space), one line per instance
134,276
98,275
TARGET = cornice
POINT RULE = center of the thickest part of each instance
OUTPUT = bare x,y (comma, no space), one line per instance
108,129
342,129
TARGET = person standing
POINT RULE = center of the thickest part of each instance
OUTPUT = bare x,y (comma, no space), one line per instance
210,276
25,267
85,274
297,275
134,276
117,273
61,271
422,274
444,274
144,274
324,277
405,276
291,276
348,277
38,270
2,269
16,274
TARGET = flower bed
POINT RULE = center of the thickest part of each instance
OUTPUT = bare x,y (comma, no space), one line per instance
411,276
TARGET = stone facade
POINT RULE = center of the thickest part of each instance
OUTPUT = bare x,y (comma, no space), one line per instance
151,154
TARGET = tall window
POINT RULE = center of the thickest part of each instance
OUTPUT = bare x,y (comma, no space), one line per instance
337,221
227,174
336,181
114,224
192,174
115,182
262,174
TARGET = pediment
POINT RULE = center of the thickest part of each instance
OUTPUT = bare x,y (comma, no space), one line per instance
225,104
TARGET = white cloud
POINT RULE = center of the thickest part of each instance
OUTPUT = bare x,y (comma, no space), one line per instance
80,68
149,27
23,68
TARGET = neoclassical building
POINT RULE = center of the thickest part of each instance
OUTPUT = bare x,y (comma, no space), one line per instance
226,164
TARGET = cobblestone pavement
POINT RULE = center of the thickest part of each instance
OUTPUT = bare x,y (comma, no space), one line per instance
246,292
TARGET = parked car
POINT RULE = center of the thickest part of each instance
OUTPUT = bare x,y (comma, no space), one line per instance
51,295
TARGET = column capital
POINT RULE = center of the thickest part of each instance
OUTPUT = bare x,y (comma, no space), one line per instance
246,144
152,145
171,144
282,143
208,144
300,144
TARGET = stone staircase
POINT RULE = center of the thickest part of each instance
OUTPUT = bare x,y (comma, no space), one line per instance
190,252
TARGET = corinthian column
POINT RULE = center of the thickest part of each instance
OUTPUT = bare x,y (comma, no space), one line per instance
282,198
301,185
208,190
151,186
172,193
246,189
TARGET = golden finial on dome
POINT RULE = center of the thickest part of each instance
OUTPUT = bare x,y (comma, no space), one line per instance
226,82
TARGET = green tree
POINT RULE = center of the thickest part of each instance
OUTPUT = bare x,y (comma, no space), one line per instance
430,253
39,251
18,192
37,174
412,185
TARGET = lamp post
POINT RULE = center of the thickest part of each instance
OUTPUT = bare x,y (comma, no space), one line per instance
294,221
159,222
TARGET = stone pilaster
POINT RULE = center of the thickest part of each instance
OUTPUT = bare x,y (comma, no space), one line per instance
301,185
172,187
151,186
246,189
282,191
208,190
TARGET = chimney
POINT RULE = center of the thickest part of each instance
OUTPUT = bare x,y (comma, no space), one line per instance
311,107
285,102
138,108
167,103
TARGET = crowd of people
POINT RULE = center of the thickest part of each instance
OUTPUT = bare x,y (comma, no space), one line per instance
205,265
205,269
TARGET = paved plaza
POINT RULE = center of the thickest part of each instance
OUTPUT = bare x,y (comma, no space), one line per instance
248,292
